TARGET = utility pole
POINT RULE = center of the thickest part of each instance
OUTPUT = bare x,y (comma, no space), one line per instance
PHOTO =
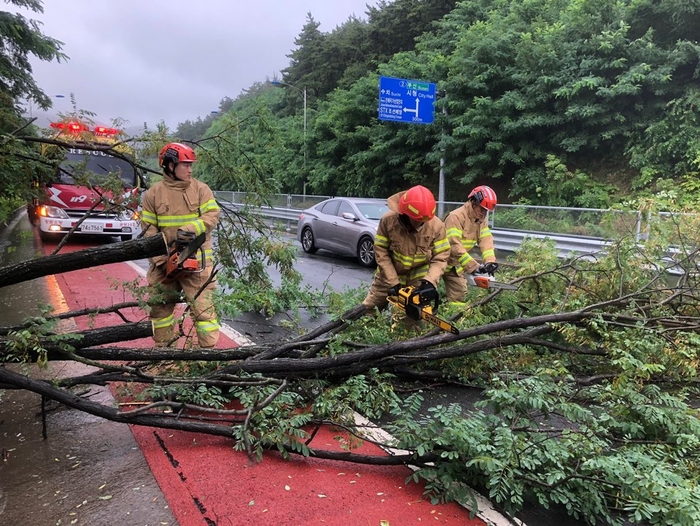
303,94
441,181
304,142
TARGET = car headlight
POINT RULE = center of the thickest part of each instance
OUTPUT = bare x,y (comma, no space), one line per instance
53,211
130,215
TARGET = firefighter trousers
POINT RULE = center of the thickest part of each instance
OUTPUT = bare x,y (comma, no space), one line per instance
376,299
455,285
166,297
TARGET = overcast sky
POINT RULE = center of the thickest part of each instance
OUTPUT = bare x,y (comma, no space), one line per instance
171,60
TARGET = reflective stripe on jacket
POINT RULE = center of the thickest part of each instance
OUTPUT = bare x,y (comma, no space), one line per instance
404,255
172,205
465,231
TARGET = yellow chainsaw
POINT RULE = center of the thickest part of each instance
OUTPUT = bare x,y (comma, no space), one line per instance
416,305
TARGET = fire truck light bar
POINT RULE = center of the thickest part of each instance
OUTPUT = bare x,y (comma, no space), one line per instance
77,127
103,130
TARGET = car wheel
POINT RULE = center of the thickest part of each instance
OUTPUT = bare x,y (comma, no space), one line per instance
126,237
365,252
307,241
33,218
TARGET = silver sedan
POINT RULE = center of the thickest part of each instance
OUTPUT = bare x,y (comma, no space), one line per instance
345,225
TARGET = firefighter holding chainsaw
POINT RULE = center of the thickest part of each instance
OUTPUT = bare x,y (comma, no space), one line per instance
185,211
411,248
467,227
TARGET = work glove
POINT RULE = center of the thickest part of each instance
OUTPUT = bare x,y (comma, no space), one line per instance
159,261
487,268
394,290
183,238
426,293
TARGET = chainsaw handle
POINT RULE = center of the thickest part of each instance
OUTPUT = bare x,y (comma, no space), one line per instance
425,296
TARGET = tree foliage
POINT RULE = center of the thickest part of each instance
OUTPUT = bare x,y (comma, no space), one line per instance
582,79
586,378
20,39
193,131
606,89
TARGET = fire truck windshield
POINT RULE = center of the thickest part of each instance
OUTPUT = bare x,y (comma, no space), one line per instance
97,165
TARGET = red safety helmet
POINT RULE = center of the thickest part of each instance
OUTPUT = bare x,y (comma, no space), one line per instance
176,152
484,196
417,203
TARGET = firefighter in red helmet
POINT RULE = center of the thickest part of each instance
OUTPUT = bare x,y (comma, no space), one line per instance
411,247
467,227
180,203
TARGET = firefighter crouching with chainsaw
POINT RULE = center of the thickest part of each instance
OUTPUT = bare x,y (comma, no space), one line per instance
182,209
467,227
411,248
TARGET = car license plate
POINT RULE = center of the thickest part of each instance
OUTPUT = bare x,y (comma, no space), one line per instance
91,227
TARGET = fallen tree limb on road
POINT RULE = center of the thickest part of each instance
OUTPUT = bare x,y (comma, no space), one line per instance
86,258
586,357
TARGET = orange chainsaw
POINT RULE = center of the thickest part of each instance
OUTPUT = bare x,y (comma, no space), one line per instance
486,280
183,258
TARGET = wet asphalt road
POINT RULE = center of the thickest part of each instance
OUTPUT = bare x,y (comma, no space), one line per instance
89,471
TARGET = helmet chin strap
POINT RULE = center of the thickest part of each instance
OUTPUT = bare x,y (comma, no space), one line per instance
408,223
170,173
475,204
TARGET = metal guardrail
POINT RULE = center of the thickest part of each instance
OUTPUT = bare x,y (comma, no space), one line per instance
287,208
288,215
510,241
506,240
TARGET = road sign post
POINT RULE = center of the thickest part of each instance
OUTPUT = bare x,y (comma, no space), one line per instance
404,100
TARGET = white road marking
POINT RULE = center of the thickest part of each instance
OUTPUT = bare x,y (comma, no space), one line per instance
486,512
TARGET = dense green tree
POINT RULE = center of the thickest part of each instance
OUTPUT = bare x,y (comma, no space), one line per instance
345,49
394,26
323,61
195,130
581,80
20,39
250,148
600,93
307,60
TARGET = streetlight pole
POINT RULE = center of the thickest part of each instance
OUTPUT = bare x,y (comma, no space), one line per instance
303,94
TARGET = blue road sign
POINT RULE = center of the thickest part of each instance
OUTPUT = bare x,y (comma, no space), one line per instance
406,100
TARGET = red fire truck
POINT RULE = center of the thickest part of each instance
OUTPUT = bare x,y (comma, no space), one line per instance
75,191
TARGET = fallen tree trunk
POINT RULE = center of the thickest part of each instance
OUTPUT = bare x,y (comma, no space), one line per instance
89,257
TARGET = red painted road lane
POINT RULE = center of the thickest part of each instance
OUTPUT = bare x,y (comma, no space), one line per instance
207,483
